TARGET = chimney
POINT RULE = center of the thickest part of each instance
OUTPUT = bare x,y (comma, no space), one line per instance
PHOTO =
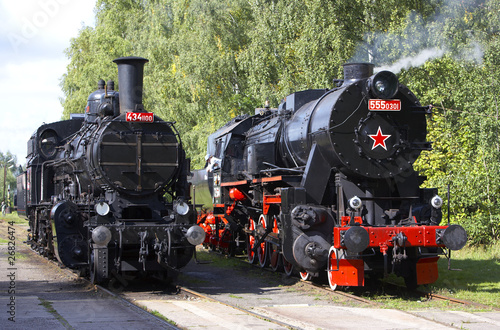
130,81
356,71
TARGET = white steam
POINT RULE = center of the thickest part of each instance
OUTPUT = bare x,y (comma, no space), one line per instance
423,39
413,61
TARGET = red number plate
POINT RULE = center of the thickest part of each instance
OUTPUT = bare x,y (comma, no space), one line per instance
384,105
143,117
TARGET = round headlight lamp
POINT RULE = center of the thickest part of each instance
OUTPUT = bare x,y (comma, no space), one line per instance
355,203
101,236
436,202
384,85
102,208
195,235
181,208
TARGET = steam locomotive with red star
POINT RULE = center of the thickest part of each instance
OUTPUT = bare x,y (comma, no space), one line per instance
325,184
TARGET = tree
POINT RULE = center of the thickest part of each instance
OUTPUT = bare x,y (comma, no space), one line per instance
211,60
202,85
91,53
465,123
8,177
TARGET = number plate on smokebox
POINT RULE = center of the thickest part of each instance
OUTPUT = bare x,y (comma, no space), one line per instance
140,117
384,105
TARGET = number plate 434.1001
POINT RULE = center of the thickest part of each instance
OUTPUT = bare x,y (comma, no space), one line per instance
384,105
142,117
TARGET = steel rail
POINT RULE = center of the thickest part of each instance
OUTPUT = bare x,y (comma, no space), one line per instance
262,317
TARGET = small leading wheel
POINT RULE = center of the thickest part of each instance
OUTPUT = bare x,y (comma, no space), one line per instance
251,242
96,271
305,276
263,247
93,269
333,254
287,267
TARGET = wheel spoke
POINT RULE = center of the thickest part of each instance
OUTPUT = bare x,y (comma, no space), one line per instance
275,257
251,242
263,247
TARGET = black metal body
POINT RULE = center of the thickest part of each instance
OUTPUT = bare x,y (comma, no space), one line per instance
302,163
102,192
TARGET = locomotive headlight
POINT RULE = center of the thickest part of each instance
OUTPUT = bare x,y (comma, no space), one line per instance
102,208
195,235
383,85
436,202
355,203
101,236
182,208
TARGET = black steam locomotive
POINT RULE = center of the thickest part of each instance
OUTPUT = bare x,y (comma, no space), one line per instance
106,192
326,183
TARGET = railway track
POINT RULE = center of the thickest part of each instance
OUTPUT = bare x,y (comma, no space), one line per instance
46,295
230,312
212,311
250,313
397,288
262,303
249,297
347,295
435,296
99,288
401,289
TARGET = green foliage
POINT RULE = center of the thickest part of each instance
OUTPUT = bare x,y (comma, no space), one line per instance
13,218
8,173
297,45
211,60
466,144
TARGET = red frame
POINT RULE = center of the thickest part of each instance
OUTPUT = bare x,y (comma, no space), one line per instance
268,200
351,271
424,236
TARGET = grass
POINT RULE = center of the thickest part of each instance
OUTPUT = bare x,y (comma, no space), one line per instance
473,275
48,306
14,217
161,316
8,219
221,261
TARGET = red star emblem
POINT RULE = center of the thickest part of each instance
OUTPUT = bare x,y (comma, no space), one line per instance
379,139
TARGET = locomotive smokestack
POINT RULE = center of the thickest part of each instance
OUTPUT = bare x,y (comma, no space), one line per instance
130,81
355,71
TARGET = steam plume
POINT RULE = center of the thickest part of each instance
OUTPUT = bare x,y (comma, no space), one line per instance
423,40
413,61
